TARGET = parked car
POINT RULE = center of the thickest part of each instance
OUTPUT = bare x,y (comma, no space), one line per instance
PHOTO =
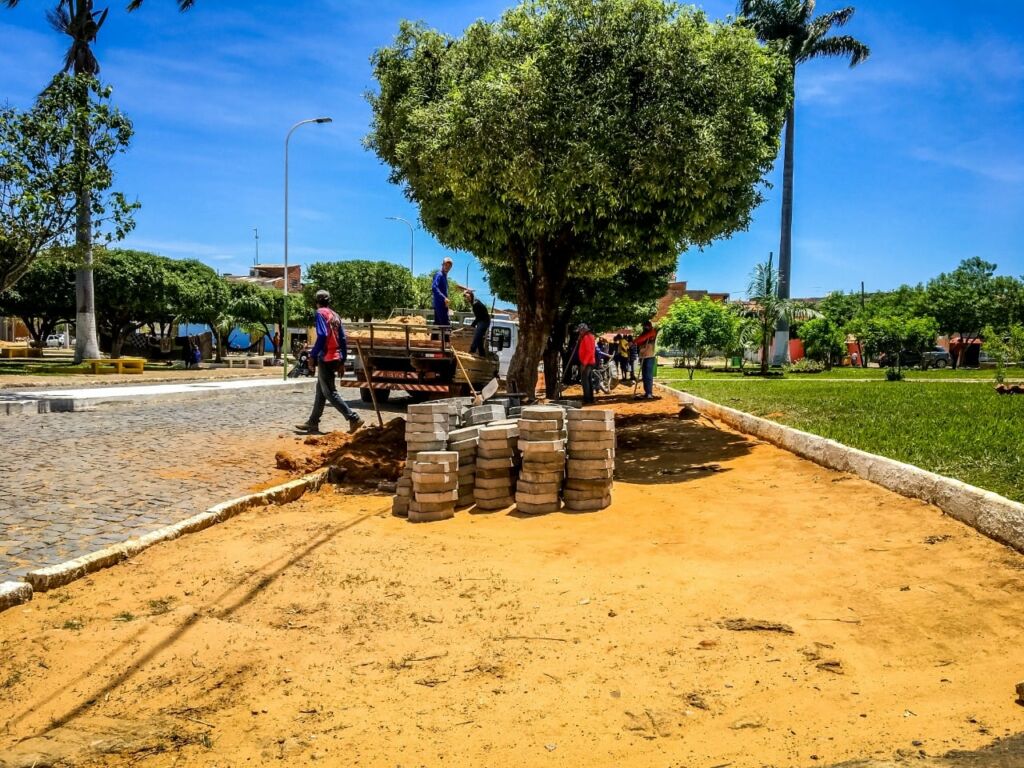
936,357
55,340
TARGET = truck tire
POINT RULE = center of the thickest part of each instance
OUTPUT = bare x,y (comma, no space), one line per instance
382,395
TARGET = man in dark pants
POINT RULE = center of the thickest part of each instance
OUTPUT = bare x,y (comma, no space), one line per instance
481,323
328,357
588,358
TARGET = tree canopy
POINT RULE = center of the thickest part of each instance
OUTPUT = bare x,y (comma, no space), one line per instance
824,340
44,165
575,137
44,296
361,289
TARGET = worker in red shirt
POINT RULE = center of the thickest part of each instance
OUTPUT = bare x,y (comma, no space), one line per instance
588,359
328,358
645,343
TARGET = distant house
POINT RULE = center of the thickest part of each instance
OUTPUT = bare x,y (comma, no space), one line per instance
271,276
676,290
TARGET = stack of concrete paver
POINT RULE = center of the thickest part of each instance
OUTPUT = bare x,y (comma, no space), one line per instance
435,486
484,414
464,442
495,466
542,444
591,465
426,429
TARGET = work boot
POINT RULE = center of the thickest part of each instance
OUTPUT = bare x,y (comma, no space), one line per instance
309,429
355,423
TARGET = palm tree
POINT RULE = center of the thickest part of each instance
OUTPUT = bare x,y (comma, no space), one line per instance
78,20
791,25
768,308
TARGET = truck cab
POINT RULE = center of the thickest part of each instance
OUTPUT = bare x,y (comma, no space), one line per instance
503,340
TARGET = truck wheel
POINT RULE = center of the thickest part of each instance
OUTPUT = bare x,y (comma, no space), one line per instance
382,395
940,363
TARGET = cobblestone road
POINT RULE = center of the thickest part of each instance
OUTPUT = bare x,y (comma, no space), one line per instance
76,482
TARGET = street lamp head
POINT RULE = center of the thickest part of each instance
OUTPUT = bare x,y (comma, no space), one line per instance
323,120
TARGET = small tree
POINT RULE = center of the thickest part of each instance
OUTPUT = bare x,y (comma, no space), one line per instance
361,289
966,300
44,296
823,340
1006,348
891,335
768,308
697,328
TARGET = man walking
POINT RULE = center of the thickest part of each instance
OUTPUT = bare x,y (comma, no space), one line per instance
328,357
481,322
645,344
588,358
439,290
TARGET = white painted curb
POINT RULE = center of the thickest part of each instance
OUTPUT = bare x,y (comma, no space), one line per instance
993,515
43,579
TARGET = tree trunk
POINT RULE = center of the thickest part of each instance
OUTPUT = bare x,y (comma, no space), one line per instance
86,344
553,370
786,238
117,341
540,278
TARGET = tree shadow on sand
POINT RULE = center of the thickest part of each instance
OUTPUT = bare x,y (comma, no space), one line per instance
655,448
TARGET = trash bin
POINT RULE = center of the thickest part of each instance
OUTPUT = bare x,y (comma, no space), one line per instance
735,362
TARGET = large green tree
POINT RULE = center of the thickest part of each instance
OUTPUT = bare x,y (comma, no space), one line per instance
824,340
967,299
792,27
43,167
78,20
44,296
361,289
576,137
133,288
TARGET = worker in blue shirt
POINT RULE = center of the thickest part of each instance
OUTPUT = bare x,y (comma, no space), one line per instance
440,293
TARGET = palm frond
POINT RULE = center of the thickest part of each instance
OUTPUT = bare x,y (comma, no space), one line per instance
58,19
840,46
183,5
822,25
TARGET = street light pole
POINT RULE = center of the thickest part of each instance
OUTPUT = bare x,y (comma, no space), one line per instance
284,326
411,245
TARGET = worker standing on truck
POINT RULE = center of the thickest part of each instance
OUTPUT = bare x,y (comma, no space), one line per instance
440,293
328,357
481,322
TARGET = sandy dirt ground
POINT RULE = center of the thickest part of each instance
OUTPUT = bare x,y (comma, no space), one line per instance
156,375
330,632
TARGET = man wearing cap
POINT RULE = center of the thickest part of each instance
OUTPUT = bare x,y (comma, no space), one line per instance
439,289
481,322
328,357
588,358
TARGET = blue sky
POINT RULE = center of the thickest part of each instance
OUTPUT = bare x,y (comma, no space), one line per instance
904,166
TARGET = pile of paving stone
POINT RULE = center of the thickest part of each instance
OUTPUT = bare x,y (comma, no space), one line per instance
542,445
484,414
426,429
465,442
496,466
435,486
591,464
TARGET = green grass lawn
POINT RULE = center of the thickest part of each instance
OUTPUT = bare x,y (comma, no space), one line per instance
875,374
966,431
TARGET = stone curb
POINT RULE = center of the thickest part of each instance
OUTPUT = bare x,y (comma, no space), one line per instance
51,577
989,513
14,593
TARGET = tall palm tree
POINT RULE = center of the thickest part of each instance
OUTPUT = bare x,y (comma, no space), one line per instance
791,24
78,20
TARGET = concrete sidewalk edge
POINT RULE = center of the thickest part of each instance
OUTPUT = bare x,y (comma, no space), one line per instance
14,593
992,515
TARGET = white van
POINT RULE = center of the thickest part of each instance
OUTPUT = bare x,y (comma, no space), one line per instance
504,338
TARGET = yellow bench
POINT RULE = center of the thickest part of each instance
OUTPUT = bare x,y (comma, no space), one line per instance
116,365
20,351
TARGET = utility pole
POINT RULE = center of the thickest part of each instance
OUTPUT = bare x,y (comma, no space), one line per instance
862,294
257,231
